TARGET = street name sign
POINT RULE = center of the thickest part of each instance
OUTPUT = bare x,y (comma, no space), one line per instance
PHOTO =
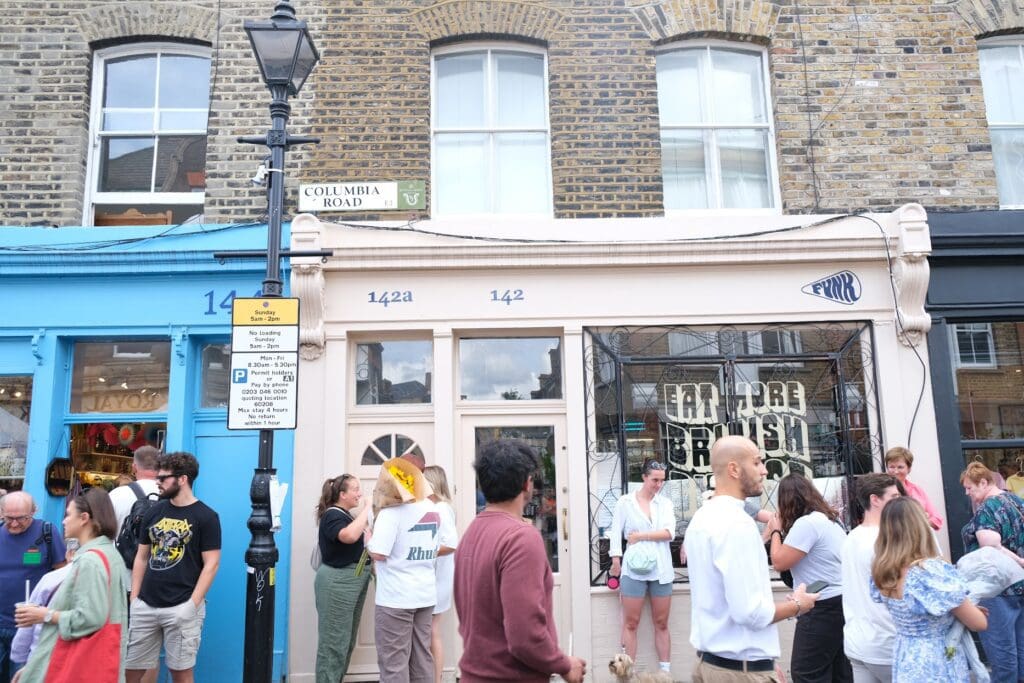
264,363
384,196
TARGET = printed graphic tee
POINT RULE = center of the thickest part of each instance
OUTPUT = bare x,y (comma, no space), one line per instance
409,536
177,538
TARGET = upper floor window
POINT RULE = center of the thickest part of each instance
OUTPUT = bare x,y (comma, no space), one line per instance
490,132
717,142
1002,72
148,158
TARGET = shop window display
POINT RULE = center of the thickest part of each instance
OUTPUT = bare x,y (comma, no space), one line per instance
15,407
101,452
804,394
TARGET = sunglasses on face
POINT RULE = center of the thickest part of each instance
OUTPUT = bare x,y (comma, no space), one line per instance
160,477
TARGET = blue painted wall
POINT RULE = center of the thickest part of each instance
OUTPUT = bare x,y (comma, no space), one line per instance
58,286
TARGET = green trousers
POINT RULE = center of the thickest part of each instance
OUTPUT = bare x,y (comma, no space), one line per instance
339,604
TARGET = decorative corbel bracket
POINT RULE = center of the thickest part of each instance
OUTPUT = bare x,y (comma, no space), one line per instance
911,273
309,285
179,338
37,340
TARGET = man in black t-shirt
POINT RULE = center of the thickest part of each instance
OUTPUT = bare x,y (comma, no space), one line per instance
179,552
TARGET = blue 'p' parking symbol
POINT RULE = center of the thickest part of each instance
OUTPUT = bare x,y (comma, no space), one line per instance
240,376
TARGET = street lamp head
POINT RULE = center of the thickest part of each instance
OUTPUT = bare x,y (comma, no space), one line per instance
283,48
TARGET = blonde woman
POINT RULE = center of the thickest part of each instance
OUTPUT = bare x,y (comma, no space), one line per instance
923,594
445,568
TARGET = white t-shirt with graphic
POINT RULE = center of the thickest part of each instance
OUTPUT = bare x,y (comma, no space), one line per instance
409,536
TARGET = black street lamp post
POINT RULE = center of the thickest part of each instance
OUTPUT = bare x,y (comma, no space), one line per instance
286,55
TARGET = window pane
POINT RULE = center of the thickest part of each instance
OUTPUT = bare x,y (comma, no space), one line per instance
128,121
102,451
215,367
120,377
988,379
184,81
514,369
180,163
679,87
522,167
744,158
183,120
737,87
520,91
683,169
460,91
15,406
126,164
461,174
394,372
1008,153
130,82
1001,75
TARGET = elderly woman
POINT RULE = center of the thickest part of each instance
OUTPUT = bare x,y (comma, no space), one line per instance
648,522
898,462
998,522
93,593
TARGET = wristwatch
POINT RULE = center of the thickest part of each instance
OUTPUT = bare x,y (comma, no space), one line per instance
49,616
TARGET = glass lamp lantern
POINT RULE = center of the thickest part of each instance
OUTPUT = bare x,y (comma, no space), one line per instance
283,48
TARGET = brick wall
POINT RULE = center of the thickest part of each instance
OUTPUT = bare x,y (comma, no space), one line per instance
872,108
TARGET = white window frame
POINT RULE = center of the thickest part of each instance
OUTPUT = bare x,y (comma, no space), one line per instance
129,200
1004,41
712,169
980,328
490,47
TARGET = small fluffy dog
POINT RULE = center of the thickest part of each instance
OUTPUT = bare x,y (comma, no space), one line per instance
622,668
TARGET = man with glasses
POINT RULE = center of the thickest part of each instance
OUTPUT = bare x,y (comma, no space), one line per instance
29,548
178,556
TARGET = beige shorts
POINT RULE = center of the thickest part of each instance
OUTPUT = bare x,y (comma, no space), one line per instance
178,629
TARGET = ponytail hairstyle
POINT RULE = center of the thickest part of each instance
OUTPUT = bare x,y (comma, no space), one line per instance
332,488
904,538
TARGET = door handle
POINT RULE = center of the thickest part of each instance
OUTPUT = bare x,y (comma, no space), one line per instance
565,524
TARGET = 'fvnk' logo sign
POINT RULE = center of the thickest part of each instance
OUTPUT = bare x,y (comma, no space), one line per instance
842,287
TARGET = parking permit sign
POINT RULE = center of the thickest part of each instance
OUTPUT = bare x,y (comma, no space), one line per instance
264,363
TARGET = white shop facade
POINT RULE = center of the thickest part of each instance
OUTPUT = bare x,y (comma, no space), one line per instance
605,342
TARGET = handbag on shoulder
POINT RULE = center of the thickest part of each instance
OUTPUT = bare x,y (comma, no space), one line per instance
94,658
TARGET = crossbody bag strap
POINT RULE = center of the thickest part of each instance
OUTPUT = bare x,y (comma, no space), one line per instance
110,595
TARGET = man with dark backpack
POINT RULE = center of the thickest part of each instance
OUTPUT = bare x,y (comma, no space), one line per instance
132,502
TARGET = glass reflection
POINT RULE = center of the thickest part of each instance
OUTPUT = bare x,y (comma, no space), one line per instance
15,407
542,510
989,379
120,377
394,372
510,369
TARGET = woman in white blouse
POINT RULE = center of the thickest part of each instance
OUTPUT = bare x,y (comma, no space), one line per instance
648,523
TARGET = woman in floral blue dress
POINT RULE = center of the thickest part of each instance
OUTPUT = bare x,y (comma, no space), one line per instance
923,593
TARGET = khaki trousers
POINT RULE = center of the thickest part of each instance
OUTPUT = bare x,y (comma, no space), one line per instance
707,673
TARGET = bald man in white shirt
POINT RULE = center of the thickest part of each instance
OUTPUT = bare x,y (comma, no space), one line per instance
733,610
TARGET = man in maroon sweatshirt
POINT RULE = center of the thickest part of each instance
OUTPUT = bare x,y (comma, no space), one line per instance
503,581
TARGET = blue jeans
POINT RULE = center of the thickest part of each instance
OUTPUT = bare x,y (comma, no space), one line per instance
7,667
1004,639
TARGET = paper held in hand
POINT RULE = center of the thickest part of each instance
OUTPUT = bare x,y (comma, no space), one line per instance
399,482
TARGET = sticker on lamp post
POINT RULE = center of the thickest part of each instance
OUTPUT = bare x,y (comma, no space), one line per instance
263,392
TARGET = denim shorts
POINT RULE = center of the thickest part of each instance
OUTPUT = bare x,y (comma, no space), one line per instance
633,588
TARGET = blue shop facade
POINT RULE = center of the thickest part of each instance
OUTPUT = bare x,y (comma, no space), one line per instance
117,337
